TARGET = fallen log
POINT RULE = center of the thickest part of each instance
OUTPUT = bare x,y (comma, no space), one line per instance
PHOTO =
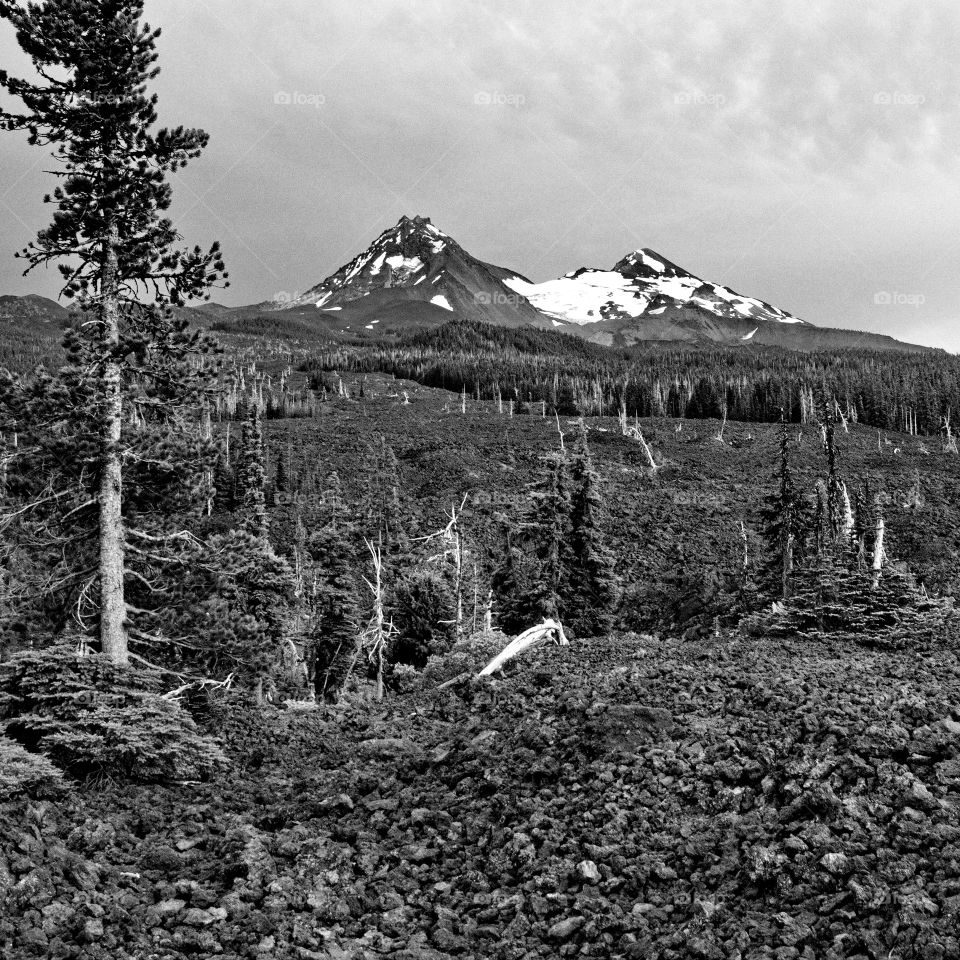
548,630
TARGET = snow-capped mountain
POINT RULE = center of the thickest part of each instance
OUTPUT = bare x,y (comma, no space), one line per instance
647,297
643,282
415,275
413,272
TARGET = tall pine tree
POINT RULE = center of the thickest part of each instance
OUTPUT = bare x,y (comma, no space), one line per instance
252,476
515,607
550,529
116,251
334,644
593,592
785,522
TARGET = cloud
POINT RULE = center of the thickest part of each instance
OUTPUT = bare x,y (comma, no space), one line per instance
752,142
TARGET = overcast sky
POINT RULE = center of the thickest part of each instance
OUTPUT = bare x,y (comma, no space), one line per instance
802,152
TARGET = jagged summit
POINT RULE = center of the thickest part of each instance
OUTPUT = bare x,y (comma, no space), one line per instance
401,254
647,262
415,272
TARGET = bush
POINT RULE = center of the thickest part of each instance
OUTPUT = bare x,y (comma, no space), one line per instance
91,717
26,774
423,610
828,600
471,655
404,679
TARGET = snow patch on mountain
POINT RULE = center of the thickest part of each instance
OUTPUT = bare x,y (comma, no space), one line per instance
630,290
582,298
409,264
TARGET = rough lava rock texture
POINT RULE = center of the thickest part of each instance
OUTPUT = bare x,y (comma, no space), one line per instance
613,798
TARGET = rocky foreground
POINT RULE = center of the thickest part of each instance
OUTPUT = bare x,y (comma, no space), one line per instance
616,798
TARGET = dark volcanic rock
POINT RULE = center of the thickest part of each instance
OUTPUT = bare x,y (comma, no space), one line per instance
707,799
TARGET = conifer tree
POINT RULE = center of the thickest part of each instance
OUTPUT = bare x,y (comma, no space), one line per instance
333,549
423,606
593,592
335,508
251,476
233,606
863,525
785,518
512,585
822,540
282,476
115,250
223,484
383,510
833,486
550,528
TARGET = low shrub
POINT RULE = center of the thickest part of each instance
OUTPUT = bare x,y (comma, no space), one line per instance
470,655
93,718
26,774
830,601
404,679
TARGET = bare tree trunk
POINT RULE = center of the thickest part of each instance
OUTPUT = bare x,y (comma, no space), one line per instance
878,548
206,432
787,566
113,608
458,560
476,599
848,522
378,632
647,450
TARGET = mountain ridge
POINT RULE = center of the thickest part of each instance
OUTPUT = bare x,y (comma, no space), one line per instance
414,276
413,267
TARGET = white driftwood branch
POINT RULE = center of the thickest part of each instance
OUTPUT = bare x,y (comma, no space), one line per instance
723,426
878,551
548,630
840,414
848,522
201,684
637,434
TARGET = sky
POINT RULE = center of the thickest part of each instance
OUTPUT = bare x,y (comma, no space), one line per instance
803,153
